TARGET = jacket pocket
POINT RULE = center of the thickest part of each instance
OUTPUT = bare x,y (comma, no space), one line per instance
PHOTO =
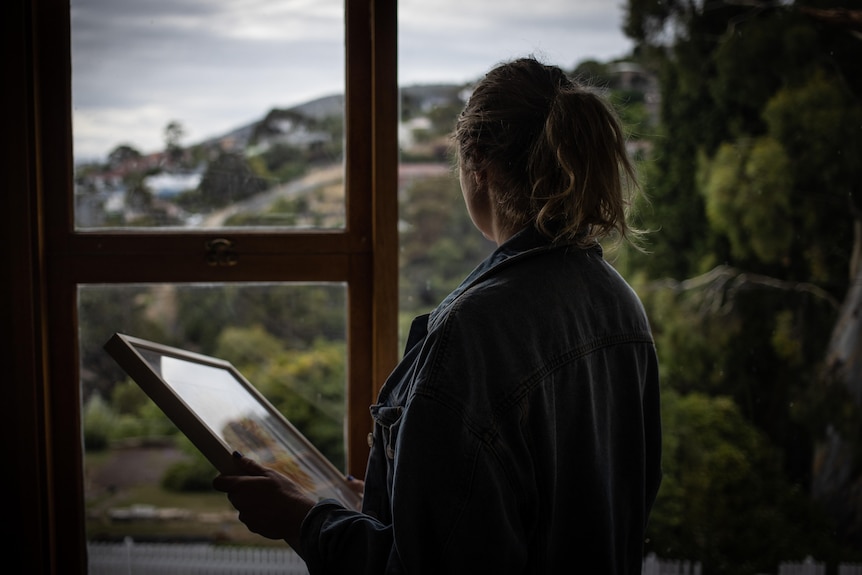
387,420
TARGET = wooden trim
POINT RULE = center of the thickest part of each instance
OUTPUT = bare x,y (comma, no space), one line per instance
27,527
360,359
66,450
52,100
364,255
359,129
372,173
246,241
385,203
185,268
53,65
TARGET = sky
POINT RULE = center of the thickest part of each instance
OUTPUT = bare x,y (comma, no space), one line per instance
216,65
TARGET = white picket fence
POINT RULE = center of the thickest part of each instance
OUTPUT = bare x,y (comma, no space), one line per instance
811,567
807,567
133,558
655,566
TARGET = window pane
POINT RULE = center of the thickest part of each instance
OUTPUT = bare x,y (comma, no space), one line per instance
143,478
438,242
190,114
745,273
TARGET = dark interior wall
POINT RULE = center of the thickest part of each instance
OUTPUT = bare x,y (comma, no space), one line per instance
25,519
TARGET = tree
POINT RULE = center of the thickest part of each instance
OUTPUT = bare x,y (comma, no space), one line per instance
755,175
837,482
122,154
592,73
227,179
108,310
307,386
285,162
724,499
98,419
174,133
296,315
440,245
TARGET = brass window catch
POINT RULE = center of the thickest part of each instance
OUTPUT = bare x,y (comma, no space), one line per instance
221,252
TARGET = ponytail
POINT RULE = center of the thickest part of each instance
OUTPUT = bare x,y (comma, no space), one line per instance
554,152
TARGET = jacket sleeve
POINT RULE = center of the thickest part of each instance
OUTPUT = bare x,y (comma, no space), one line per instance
339,540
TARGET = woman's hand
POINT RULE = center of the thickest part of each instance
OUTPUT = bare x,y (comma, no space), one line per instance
357,486
269,503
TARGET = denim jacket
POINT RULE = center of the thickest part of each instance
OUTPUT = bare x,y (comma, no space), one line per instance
520,433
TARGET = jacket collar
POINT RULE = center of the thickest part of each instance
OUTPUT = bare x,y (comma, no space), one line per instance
525,243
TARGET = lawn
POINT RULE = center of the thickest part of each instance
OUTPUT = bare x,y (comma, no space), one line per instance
124,498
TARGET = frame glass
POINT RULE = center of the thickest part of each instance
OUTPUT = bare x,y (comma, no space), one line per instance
220,412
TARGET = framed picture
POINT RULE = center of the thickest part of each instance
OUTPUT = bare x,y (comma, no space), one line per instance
211,402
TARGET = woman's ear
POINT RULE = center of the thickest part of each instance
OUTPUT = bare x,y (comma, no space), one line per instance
480,179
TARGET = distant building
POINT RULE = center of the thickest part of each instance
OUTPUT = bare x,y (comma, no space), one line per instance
166,185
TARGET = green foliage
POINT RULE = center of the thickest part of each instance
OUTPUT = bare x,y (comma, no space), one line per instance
229,178
308,386
747,188
819,124
287,161
129,415
250,347
128,398
110,309
443,118
441,245
104,424
755,165
296,314
760,346
633,114
135,416
190,476
153,422
724,499
284,162
592,73
193,474
317,207
121,154
675,214
138,195
98,419
174,133
310,389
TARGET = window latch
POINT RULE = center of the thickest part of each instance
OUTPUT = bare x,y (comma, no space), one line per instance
221,252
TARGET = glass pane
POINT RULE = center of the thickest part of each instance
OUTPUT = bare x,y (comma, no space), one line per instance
143,479
190,114
732,127
439,244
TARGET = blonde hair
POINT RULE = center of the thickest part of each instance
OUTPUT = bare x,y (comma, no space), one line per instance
553,151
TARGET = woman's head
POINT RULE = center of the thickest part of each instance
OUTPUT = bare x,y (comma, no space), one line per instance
549,153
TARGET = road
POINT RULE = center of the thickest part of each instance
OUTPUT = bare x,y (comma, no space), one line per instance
260,202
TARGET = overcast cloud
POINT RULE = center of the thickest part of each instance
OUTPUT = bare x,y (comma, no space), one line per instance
214,65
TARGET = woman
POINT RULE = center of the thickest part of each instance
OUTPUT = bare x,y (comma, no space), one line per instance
520,433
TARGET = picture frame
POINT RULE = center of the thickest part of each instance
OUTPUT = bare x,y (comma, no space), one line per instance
221,412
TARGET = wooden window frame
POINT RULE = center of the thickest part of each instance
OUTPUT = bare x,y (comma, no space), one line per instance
51,259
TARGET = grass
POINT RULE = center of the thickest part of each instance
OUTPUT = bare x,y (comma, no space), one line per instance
212,518
155,495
